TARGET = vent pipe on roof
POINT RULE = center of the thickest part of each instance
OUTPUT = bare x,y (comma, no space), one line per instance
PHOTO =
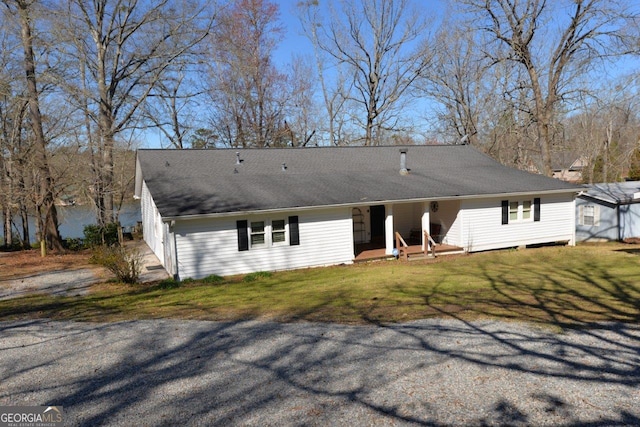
284,167
403,162
237,157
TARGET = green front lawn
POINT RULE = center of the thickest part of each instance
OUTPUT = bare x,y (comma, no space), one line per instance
559,286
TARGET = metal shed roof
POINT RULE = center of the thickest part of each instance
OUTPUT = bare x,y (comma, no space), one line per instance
616,193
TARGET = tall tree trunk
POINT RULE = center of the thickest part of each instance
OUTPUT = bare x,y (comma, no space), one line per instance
7,199
51,234
24,207
24,215
106,138
8,237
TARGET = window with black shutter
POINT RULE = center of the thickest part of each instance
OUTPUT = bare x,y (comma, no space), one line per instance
243,235
505,212
294,233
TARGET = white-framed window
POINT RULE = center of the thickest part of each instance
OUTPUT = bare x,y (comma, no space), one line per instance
278,231
264,233
257,233
520,210
267,232
526,210
513,211
589,215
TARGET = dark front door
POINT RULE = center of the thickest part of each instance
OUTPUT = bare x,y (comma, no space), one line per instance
377,223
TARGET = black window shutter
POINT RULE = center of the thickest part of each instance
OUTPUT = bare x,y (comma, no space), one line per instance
294,232
243,235
536,209
505,212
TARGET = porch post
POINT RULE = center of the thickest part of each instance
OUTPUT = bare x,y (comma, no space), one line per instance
425,223
388,229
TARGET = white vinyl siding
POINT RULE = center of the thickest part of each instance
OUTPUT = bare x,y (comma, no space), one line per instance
449,219
482,228
153,231
405,219
210,246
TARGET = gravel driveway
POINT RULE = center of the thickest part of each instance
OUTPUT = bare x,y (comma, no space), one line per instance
60,282
76,282
436,372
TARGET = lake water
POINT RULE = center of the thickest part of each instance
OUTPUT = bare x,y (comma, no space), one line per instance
72,220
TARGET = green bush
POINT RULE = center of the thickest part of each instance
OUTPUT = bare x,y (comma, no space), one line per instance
169,284
212,279
124,264
95,235
252,277
15,244
73,244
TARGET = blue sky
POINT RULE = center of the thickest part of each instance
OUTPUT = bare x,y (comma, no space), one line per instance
294,40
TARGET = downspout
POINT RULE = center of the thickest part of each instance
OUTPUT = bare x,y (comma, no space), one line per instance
619,227
175,257
174,251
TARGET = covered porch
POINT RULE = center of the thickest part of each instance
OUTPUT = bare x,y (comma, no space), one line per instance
427,228
367,252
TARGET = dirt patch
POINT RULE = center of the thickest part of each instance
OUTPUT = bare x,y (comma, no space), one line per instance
26,272
28,263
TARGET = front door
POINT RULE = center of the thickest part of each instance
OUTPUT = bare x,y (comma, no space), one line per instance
377,216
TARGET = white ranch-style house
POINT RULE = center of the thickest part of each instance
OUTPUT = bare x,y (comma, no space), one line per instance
228,211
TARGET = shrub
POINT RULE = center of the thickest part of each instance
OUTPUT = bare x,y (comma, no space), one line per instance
73,244
212,279
95,235
168,284
252,277
124,264
16,245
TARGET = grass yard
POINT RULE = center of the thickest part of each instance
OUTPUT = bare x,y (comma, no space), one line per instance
557,286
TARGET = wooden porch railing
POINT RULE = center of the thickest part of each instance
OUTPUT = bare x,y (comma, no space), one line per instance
403,247
429,244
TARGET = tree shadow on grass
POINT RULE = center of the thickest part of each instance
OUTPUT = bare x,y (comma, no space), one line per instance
582,367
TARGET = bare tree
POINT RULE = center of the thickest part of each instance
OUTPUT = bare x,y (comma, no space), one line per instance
172,108
249,93
554,43
379,43
123,49
457,80
335,88
304,119
605,131
16,197
45,204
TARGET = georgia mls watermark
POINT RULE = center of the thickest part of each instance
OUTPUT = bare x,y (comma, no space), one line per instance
31,416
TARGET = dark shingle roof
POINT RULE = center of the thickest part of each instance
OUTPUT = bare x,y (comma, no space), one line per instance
617,193
198,182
